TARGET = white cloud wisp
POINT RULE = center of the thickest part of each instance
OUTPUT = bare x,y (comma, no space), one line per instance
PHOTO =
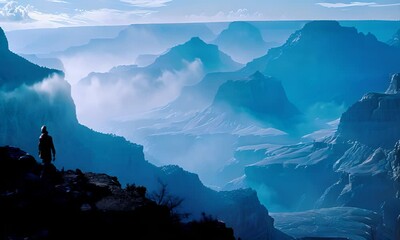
356,4
147,3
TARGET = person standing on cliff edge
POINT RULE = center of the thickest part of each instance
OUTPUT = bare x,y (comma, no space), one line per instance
46,147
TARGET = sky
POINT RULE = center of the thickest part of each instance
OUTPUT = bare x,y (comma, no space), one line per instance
25,14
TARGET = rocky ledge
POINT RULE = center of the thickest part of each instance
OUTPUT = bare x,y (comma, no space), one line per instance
42,202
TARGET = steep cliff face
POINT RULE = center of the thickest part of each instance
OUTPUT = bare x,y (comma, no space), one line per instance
356,167
375,119
367,139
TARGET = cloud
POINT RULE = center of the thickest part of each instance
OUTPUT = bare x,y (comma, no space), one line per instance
356,4
52,90
131,95
344,5
233,15
54,20
13,12
57,1
87,18
103,16
147,3
385,5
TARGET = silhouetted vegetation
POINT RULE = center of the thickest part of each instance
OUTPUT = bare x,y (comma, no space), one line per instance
163,198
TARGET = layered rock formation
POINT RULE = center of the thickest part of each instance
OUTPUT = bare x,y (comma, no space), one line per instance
260,97
357,167
375,119
325,62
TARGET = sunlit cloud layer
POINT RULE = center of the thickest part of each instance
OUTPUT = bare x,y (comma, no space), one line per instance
344,5
242,14
356,4
57,1
386,5
147,3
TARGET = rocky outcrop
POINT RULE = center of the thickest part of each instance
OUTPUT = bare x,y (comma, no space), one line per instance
260,97
73,204
375,119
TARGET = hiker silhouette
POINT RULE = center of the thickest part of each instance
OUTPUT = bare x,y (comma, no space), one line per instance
46,147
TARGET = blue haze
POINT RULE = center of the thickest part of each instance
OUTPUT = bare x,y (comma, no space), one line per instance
303,120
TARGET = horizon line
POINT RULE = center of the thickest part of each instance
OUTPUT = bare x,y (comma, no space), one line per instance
201,22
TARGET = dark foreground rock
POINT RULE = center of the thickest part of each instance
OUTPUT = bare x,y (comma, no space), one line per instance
41,202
